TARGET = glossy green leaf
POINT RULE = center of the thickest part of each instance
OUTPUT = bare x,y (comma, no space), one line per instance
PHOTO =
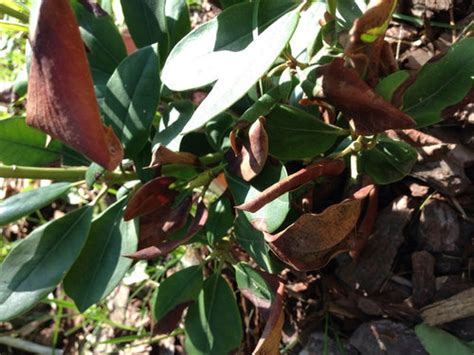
101,264
93,173
210,50
177,19
132,97
441,84
438,342
388,85
24,145
146,21
272,215
253,242
38,263
15,8
25,203
180,288
105,47
217,131
250,279
213,325
389,161
220,220
246,69
265,103
295,134
346,13
227,3
172,123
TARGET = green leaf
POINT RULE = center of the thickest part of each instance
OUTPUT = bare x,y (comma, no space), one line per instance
227,3
38,263
180,288
210,50
105,47
250,279
389,161
441,84
247,67
25,203
253,243
93,173
438,342
24,145
213,324
132,97
347,12
101,264
295,134
220,220
388,85
13,26
172,123
146,20
217,131
273,214
269,99
177,20
15,9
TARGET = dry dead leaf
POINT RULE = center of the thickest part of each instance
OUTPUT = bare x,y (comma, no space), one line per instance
311,242
456,307
152,196
252,153
371,114
61,99
163,248
326,167
163,155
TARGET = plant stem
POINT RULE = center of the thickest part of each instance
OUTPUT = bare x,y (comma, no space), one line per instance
59,174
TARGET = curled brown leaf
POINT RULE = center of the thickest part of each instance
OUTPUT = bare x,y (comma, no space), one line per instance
152,196
328,167
163,248
345,90
314,239
163,155
61,99
252,153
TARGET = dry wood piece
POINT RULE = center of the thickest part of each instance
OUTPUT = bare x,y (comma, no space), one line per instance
456,307
423,279
375,263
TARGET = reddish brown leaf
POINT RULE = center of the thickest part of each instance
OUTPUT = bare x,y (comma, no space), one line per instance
251,155
170,322
269,342
61,99
371,114
321,168
156,226
152,196
163,248
163,155
314,239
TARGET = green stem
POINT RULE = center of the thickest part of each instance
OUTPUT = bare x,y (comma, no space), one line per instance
59,174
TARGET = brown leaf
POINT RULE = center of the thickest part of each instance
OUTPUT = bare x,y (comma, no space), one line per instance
372,24
371,114
321,168
163,248
163,155
269,342
61,99
170,322
156,226
152,196
456,307
311,242
251,155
